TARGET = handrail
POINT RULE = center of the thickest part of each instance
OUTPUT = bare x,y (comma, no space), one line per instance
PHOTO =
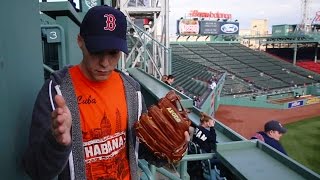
146,170
157,88
182,170
197,157
137,27
158,56
46,67
168,174
234,155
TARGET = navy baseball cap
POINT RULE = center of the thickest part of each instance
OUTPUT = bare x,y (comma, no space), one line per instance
275,126
104,28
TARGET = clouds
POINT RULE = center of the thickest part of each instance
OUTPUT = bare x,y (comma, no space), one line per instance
277,12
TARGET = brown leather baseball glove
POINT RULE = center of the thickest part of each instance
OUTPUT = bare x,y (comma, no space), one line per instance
162,129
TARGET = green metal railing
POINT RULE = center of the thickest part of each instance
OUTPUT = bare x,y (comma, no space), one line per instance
256,160
151,170
47,68
147,50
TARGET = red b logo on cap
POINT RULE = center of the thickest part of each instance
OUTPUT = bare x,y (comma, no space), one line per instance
110,22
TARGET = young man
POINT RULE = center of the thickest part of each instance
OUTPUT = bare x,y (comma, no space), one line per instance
86,131
273,130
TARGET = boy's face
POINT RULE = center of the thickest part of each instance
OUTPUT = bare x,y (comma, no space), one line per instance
275,134
98,66
171,80
211,123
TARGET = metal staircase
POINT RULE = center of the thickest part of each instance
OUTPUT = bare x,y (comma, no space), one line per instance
150,44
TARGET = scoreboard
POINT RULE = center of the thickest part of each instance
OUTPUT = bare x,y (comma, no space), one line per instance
209,27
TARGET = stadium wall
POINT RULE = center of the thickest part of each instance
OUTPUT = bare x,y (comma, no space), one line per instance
255,101
265,101
314,90
211,104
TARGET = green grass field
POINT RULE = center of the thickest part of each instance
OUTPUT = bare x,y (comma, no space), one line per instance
302,142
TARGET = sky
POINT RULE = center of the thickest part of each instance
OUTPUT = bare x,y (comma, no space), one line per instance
276,11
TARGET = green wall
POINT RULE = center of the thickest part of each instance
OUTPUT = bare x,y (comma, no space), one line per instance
71,30
261,101
21,75
314,90
68,20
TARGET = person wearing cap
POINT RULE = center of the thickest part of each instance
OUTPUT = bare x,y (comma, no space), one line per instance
82,122
273,130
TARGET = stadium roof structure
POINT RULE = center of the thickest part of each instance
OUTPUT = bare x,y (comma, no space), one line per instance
289,39
297,39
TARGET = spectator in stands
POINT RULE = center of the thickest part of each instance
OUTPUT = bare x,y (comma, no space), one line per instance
213,84
205,134
293,84
170,80
164,78
131,31
205,137
297,95
196,101
273,130
180,89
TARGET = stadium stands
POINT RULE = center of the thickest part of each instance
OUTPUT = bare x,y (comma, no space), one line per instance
249,70
185,58
312,66
305,57
192,77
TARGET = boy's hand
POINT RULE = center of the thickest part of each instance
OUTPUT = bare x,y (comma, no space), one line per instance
61,122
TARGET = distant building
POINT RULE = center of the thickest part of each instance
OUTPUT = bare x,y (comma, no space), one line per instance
258,28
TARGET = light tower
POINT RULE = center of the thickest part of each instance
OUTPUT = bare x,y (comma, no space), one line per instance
305,12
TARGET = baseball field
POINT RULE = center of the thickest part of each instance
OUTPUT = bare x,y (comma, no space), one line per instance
302,142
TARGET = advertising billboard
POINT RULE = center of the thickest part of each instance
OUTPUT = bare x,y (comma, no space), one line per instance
229,28
188,27
313,100
209,14
295,104
206,27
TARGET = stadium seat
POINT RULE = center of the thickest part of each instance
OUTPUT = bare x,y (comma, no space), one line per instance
202,168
